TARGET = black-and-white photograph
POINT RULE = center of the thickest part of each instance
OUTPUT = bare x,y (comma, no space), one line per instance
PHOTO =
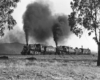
49,39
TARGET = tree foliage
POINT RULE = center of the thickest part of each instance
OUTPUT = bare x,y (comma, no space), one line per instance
6,19
85,14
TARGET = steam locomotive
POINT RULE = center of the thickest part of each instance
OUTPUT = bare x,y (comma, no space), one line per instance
40,49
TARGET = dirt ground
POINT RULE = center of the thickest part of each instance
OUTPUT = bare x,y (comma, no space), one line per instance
22,69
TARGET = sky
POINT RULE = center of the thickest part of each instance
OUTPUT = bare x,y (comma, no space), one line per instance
58,7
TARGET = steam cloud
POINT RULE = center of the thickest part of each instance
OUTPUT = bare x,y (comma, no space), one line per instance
14,36
38,22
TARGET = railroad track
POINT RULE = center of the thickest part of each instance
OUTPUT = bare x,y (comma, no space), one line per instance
57,57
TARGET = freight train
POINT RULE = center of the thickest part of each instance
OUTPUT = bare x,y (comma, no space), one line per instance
40,49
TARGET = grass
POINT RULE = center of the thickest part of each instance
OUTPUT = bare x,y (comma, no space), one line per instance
49,70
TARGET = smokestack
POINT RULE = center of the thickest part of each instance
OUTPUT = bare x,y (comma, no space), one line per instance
26,34
26,37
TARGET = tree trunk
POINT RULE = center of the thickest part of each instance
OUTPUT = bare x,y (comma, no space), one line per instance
98,61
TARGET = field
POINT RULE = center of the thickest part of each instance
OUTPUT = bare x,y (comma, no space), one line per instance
50,67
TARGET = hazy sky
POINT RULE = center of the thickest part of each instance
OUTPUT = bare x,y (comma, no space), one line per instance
58,7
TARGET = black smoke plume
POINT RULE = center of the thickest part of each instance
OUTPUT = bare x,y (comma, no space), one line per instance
38,22
60,29
64,26
56,33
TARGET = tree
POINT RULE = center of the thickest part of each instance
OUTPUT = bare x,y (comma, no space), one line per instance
85,14
6,19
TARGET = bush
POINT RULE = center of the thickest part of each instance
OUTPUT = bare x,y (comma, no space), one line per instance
4,57
31,58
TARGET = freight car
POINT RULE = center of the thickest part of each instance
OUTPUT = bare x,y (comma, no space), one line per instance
71,50
86,51
49,50
78,51
82,51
